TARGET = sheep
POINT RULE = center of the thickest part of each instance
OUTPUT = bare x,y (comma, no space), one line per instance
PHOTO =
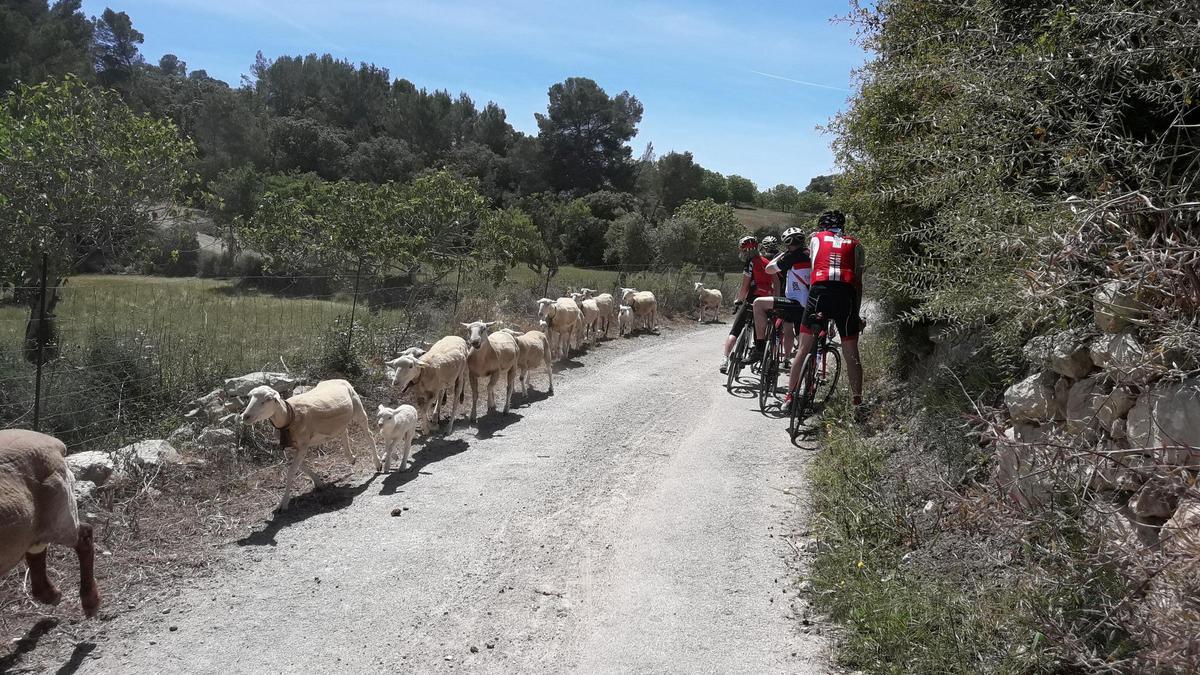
591,315
491,355
396,424
37,508
563,319
624,320
708,298
606,305
439,373
535,351
645,307
304,420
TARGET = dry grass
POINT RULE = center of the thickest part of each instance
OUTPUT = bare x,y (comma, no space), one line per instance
753,218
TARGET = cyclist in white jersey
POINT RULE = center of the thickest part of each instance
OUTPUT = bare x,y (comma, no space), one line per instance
794,262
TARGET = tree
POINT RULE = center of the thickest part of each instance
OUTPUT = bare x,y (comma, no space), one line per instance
629,241
79,175
553,218
714,187
741,190
680,179
302,144
782,197
822,184
701,232
172,66
585,134
39,41
116,48
381,159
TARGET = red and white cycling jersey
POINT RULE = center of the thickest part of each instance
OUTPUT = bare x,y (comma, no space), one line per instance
834,257
797,266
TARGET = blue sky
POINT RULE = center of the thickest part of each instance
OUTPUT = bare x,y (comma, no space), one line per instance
741,85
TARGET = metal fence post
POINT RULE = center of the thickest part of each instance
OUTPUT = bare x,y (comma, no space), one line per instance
353,307
40,336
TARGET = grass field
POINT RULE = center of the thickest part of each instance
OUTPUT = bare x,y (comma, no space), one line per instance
753,218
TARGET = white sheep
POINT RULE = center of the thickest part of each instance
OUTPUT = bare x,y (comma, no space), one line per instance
37,508
563,322
606,305
322,413
708,298
591,315
624,320
396,424
535,352
492,355
440,373
645,307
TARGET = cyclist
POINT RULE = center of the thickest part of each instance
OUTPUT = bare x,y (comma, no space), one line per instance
836,292
756,282
794,265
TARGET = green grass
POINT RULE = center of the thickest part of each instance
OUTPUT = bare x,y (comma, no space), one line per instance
752,218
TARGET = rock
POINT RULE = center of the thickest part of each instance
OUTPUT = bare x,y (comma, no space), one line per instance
1021,476
1181,534
217,438
1125,359
1024,432
241,386
1066,353
1114,307
182,437
92,466
1114,406
1168,416
148,454
1033,399
302,389
1092,404
1158,497
83,489
1126,537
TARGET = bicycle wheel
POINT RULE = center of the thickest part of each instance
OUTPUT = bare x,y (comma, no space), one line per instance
734,366
803,397
832,371
768,370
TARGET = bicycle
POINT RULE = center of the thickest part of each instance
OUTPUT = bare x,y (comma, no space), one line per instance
815,374
768,368
737,355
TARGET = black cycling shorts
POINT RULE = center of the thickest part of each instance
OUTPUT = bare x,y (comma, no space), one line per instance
742,316
789,310
837,301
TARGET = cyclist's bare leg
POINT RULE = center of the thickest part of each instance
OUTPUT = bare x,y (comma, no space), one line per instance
789,335
729,340
761,307
853,366
806,346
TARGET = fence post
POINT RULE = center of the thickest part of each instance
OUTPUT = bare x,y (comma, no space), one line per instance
457,286
353,307
41,349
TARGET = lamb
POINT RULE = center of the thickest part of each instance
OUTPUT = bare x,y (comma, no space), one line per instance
645,307
37,508
305,420
491,355
591,315
606,304
624,320
563,319
535,351
396,424
708,298
439,373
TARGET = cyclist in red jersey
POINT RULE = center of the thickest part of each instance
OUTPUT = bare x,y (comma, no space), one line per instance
756,282
836,292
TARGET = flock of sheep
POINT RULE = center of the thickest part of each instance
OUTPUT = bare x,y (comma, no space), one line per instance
37,500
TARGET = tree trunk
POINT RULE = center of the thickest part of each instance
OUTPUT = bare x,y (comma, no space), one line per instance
37,331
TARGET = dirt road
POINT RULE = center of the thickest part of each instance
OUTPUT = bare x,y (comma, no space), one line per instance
634,522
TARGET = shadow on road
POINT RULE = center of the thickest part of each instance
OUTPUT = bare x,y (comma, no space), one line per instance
26,644
81,652
489,424
303,507
534,396
432,451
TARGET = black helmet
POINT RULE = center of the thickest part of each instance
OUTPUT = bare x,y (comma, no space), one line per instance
833,221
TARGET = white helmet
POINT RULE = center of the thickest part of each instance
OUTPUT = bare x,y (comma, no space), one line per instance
792,235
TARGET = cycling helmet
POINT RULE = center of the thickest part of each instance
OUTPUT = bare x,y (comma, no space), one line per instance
833,221
748,243
793,235
769,244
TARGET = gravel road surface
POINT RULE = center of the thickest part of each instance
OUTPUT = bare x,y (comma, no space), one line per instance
639,520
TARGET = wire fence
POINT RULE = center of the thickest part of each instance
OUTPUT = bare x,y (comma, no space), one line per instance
122,357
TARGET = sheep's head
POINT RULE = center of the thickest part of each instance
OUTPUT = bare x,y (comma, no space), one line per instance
477,331
403,371
627,295
264,402
415,352
578,298
542,325
385,417
699,286
588,293
546,309
626,310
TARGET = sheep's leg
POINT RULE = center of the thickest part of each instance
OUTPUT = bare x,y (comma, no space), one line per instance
302,460
459,385
346,444
89,597
474,395
511,376
491,390
360,416
408,438
550,376
387,456
289,477
42,588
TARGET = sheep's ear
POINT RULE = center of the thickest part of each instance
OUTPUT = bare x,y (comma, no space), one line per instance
491,323
466,325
